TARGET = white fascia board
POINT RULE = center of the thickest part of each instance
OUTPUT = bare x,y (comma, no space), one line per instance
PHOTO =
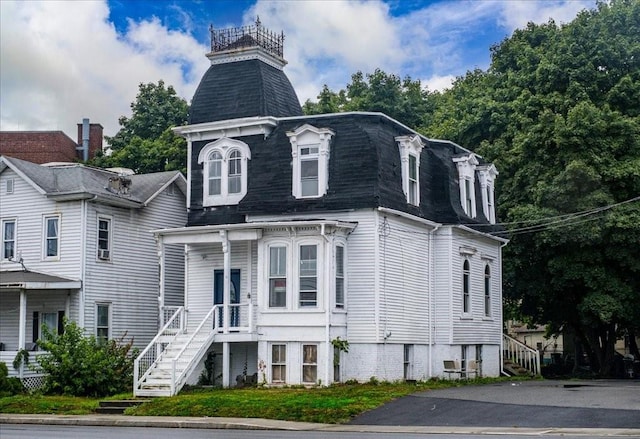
482,234
409,217
246,126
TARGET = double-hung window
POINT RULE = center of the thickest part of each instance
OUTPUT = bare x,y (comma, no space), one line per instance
487,175
466,287
224,171
309,363
104,238
310,150
466,178
308,275
51,236
410,149
277,277
339,276
103,320
279,363
8,239
487,291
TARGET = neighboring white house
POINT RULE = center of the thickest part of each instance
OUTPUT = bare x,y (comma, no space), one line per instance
77,243
307,231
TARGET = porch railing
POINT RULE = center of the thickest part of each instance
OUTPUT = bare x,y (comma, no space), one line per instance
152,354
167,314
520,354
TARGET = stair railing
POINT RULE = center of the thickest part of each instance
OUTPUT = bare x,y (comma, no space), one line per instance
520,354
151,355
177,378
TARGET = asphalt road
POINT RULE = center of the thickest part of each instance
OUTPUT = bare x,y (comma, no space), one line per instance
526,404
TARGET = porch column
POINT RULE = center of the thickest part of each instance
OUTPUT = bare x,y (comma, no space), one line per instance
22,320
226,279
226,379
161,287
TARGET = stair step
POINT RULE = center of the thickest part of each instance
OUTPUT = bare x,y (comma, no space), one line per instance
117,407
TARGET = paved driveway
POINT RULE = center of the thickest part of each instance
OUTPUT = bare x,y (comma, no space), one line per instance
537,404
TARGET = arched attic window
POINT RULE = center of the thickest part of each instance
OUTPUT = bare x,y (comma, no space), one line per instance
224,171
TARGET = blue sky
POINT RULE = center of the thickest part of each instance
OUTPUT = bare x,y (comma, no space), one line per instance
61,61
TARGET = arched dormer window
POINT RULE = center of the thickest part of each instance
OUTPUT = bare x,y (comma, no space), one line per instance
466,165
310,150
224,171
466,287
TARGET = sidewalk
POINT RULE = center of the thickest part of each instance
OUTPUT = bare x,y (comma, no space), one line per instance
268,424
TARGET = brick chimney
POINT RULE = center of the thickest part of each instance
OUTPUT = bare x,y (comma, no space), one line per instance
89,139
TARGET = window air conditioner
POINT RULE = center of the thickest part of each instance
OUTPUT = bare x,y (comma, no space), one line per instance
103,254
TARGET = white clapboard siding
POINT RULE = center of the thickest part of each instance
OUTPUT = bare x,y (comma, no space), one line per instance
404,280
129,281
443,285
10,318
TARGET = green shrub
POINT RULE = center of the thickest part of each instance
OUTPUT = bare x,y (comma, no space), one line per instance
9,385
78,365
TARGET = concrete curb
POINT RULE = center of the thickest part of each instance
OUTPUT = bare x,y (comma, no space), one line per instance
270,424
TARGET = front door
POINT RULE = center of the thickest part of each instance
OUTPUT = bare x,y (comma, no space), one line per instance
234,293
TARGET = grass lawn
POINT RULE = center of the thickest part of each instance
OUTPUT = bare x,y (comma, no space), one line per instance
334,404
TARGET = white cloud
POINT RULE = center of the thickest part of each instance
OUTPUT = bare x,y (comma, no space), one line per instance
517,14
62,61
439,83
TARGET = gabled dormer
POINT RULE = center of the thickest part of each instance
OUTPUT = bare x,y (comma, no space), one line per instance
466,164
410,149
487,175
310,151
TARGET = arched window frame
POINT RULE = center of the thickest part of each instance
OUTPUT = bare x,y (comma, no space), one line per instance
487,175
229,149
466,286
487,291
410,149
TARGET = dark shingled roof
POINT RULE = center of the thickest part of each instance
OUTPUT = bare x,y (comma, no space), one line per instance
243,89
364,172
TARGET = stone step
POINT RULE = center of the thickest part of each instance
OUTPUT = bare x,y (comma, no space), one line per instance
117,407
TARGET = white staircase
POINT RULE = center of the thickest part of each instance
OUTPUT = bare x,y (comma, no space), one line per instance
163,367
525,359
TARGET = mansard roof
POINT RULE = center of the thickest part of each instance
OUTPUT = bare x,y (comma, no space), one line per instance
364,172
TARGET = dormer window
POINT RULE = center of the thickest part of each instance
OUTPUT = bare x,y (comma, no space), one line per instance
224,171
410,149
310,148
488,174
466,174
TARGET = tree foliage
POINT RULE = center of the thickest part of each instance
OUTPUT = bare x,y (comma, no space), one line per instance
558,112
403,99
145,142
78,365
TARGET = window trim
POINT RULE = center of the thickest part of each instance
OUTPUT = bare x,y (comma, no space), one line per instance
46,238
300,276
487,291
313,364
281,364
225,147
286,247
10,186
466,287
466,181
410,148
487,175
308,136
97,325
99,255
14,246
339,304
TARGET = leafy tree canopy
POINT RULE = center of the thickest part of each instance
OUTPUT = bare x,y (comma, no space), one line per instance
403,99
145,142
558,112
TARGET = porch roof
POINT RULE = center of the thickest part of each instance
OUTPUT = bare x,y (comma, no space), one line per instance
33,280
242,231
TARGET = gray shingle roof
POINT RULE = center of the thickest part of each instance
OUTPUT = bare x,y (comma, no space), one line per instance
77,180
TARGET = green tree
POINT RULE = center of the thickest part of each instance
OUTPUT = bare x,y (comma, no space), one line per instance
558,111
145,142
75,364
402,99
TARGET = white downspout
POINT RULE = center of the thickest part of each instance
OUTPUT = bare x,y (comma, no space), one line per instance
83,263
430,297
500,357
226,357
328,259
161,286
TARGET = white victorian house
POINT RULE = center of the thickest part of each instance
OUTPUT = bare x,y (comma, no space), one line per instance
77,243
304,232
